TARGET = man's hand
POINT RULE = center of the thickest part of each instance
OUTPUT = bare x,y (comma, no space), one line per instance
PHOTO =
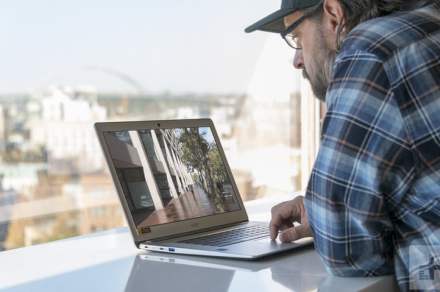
283,216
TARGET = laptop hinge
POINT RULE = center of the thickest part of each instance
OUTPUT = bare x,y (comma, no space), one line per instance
194,232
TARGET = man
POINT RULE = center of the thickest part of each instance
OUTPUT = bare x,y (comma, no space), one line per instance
373,200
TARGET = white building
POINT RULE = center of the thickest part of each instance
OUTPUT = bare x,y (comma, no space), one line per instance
66,130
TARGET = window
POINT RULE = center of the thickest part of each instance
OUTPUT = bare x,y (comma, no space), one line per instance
67,65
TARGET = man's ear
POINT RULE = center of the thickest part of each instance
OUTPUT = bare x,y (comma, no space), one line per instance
333,16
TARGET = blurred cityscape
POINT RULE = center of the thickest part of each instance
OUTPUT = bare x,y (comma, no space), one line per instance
54,182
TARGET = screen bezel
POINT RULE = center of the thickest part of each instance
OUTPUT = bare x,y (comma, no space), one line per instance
180,227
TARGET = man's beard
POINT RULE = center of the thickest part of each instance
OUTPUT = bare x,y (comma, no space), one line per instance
321,67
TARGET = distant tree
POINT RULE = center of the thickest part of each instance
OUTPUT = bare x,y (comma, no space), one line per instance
216,165
195,150
192,151
204,162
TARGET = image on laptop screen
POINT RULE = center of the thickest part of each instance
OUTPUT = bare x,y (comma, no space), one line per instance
169,175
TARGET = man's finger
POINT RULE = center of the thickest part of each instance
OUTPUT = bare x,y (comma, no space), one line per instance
278,223
274,228
282,213
275,222
286,225
295,233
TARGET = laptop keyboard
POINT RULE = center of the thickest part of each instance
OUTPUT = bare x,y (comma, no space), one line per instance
249,232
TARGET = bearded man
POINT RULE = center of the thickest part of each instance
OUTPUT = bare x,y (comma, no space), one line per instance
373,200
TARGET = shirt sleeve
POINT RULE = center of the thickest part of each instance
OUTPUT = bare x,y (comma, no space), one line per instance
362,162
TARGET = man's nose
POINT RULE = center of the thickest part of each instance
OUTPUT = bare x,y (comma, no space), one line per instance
298,61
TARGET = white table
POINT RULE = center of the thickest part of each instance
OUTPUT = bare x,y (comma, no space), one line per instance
109,261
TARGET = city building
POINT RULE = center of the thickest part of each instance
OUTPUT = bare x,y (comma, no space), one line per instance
7,200
66,131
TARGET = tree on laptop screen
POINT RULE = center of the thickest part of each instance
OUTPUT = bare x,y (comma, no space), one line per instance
169,175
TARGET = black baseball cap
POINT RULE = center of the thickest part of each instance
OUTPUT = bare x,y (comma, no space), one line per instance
275,22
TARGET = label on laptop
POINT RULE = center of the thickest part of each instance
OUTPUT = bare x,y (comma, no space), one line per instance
144,230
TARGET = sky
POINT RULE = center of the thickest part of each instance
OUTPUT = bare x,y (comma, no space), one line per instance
177,46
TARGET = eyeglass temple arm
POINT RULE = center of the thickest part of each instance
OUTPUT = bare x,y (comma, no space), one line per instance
294,25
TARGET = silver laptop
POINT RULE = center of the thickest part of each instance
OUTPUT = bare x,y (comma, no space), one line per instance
178,193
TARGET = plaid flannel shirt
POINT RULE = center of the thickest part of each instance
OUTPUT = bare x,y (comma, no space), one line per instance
374,192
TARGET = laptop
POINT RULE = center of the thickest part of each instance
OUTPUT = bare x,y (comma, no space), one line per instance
178,192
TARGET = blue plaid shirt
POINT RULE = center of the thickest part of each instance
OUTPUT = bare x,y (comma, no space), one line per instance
373,199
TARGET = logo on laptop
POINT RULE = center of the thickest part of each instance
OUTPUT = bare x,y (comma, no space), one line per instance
144,230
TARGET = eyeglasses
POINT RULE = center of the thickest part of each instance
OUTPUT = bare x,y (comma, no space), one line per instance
289,37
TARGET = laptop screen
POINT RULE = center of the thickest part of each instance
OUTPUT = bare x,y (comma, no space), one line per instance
170,175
